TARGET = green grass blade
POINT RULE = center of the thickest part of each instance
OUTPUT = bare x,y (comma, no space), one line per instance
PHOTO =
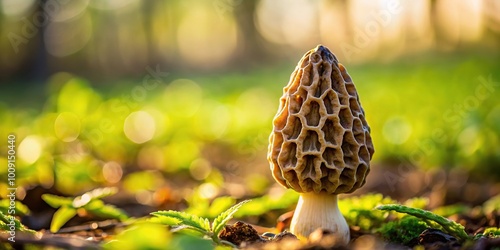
61,216
224,217
20,208
97,207
191,220
56,201
449,226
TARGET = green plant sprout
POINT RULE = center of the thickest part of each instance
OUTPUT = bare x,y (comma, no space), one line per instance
489,232
20,209
9,221
189,221
90,202
449,226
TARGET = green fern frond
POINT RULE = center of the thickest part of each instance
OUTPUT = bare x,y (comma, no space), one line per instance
225,216
193,221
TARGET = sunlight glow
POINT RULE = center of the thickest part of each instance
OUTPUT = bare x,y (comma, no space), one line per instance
294,25
218,36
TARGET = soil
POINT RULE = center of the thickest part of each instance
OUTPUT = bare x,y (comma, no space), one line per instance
246,236
88,232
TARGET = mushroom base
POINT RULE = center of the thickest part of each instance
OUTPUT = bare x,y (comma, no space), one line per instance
319,211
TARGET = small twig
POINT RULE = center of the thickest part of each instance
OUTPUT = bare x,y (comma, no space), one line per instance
107,224
48,239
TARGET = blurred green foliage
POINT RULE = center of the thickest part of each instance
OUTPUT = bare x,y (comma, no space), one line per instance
89,202
450,210
492,204
19,208
429,111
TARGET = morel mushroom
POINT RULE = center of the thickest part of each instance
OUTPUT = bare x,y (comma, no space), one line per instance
320,145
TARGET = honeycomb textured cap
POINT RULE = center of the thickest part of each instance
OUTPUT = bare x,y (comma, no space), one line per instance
320,140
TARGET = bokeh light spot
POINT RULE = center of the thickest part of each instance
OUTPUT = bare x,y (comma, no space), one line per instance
68,10
208,190
81,201
30,149
200,169
68,37
67,127
144,197
15,7
139,127
112,172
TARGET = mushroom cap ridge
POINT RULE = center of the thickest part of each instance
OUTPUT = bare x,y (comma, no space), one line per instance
320,140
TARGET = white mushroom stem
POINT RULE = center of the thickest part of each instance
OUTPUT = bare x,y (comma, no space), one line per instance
319,211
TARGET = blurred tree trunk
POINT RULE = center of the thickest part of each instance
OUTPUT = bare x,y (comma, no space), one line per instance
441,30
147,8
37,65
435,22
253,50
492,19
